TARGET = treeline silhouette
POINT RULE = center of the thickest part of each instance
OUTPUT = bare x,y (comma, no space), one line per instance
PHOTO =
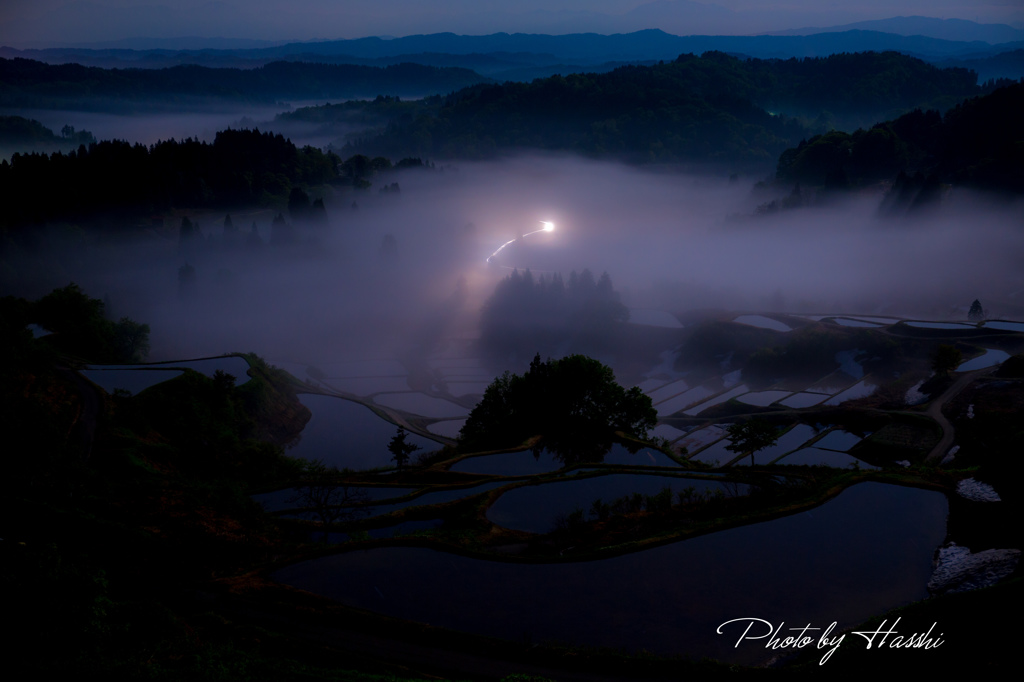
525,313
75,325
28,83
574,403
114,178
709,108
21,131
979,143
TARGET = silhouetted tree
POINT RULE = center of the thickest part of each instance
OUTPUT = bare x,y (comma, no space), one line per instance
230,231
976,313
400,449
751,436
281,233
188,235
575,403
327,494
318,213
131,340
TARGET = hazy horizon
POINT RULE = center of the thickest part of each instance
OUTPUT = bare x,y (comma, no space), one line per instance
60,23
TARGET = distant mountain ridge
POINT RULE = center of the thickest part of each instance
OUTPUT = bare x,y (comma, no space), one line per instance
580,48
958,30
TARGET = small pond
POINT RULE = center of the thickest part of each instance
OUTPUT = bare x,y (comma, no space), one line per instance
347,434
534,508
866,551
763,322
989,358
1005,326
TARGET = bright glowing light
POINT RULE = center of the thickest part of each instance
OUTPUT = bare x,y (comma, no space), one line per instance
548,227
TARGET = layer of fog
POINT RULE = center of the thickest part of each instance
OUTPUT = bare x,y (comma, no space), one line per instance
199,123
666,240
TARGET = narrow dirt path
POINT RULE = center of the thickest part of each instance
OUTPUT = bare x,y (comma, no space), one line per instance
935,411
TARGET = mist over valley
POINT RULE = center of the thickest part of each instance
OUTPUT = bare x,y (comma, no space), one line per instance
528,355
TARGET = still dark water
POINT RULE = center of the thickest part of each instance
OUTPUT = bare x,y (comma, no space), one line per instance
349,435
866,551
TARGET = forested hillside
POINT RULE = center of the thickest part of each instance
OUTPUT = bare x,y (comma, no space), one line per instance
709,108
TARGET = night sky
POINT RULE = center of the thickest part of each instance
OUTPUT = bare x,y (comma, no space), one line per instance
47,23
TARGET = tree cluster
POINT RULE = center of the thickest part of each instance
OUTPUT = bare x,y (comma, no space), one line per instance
574,403
114,178
80,327
17,131
979,143
710,108
527,312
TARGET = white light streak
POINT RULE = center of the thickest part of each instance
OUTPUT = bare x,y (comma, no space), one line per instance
548,227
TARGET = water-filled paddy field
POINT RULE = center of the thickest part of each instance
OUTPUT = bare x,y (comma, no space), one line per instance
346,434
529,463
990,358
763,322
866,551
136,378
535,508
